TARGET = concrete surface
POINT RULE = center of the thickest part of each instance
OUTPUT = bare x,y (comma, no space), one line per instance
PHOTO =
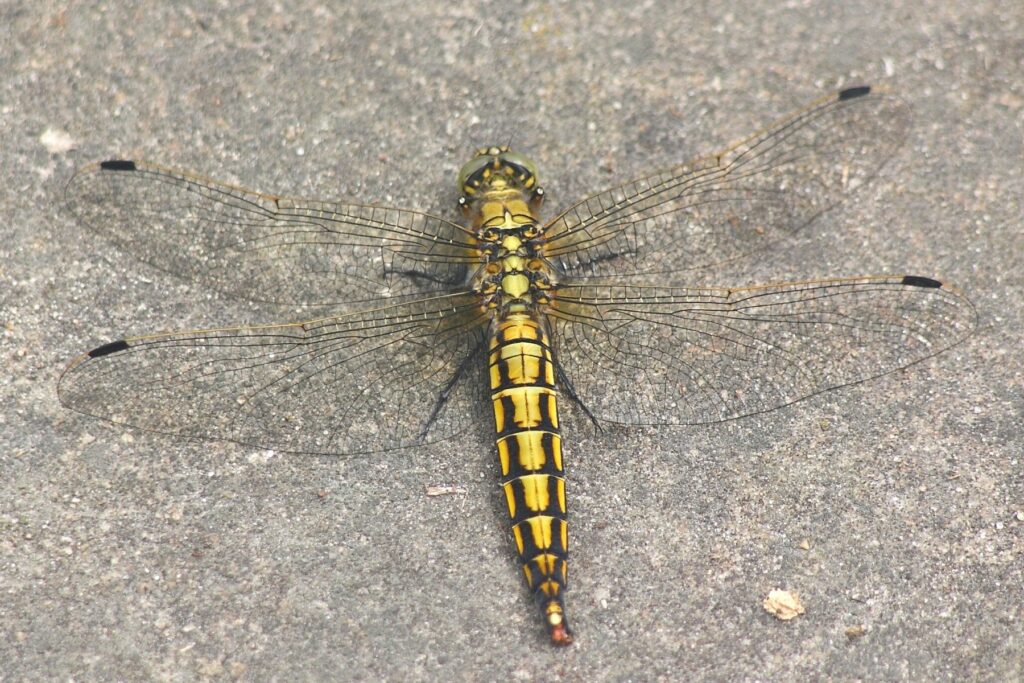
129,557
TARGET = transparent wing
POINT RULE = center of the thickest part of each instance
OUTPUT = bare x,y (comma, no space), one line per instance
723,206
375,380
265,248
665,355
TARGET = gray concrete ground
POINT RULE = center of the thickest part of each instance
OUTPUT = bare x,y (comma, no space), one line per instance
896,506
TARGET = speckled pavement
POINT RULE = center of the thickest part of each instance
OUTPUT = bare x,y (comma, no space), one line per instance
894,508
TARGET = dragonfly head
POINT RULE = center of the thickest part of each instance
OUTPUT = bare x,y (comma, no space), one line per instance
498,169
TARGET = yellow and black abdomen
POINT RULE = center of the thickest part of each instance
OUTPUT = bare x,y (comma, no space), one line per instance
529,446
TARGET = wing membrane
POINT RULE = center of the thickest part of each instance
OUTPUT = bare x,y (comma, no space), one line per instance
667,355
720,207
265,248
361,382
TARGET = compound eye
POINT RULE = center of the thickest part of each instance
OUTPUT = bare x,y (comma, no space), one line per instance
522,161
472,167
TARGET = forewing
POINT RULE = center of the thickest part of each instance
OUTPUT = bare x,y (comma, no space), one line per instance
720,207
665,355
265,248
375,380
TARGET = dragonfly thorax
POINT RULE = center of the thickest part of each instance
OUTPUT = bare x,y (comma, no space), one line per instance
514,276
500,197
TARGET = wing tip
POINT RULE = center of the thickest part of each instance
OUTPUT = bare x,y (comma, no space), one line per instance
118,165
854,92
920,281
108,349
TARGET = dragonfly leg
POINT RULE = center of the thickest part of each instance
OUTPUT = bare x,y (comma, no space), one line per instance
566,387
471,360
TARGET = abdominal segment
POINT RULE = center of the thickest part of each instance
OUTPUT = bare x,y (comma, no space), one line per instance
530,452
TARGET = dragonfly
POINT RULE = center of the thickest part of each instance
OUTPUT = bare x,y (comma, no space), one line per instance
422,322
